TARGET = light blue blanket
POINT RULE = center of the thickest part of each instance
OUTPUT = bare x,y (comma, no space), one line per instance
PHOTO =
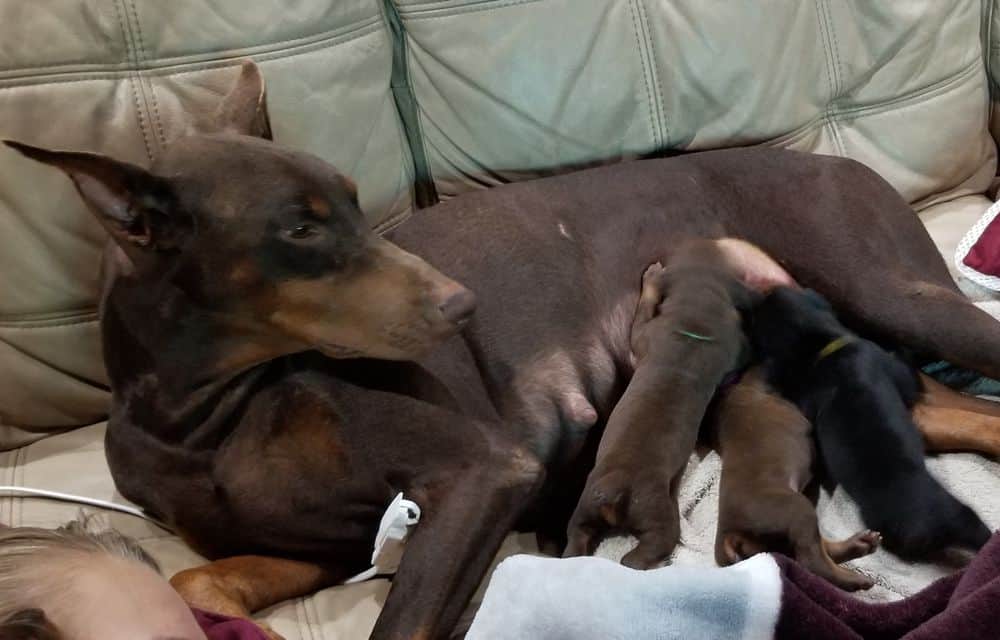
533,598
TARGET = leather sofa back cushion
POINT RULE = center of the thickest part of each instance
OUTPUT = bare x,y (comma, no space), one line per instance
493,90
509,89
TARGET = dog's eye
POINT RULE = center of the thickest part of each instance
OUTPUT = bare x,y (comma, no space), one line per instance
302,231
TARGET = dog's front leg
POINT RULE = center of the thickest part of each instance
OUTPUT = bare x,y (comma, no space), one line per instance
465,517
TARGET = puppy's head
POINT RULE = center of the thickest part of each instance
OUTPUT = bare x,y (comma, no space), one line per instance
793,322
269,239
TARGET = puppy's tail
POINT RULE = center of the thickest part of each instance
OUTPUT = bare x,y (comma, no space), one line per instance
944,522
969,532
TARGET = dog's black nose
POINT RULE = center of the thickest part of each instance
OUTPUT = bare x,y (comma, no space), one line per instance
458,307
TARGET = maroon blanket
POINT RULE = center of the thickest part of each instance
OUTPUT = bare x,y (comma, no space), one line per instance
964,606
219,627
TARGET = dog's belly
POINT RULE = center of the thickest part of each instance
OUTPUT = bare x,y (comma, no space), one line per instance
557,264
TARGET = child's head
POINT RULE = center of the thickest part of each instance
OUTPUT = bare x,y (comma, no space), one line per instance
77,584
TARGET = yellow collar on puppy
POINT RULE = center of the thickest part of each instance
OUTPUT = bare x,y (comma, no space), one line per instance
834,346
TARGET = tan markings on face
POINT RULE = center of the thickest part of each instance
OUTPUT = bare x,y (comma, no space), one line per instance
386,307
343,313
319,207
244,272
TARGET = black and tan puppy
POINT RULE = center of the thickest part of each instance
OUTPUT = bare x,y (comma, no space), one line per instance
859,398
767,455
686,336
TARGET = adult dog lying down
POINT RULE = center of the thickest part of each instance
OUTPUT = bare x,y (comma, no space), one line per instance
242,273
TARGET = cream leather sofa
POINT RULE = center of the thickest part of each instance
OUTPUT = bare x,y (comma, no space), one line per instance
426,99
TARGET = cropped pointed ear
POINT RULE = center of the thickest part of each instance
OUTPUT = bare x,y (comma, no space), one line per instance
244,109
135,206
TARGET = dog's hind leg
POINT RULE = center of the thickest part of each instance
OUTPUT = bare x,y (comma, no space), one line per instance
240,586
952,421
943,397
935,320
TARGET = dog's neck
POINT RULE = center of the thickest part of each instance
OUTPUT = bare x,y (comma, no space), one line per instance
173,363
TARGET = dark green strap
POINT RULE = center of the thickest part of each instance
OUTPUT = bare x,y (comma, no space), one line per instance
424,191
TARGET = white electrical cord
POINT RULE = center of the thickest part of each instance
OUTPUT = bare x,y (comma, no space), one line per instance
68,497
386,555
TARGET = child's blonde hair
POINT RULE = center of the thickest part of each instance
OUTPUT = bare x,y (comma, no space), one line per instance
22,550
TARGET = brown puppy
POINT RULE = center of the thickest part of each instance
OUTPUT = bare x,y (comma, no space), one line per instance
686,335
767,452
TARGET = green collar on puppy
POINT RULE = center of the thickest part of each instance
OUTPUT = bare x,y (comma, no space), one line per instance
834,346
696,336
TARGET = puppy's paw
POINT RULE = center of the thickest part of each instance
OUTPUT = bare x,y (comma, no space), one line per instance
652,272
851,580
859,545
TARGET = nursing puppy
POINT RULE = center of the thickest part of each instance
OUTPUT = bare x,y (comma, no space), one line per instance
686,335
858,398
767,454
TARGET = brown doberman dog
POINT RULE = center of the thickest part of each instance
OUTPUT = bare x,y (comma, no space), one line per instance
767,454
243,286
686,336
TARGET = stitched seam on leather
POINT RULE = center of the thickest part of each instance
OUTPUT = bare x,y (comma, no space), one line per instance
654,130
8,503
19,471
140,82
270,51
439,5
392,222
305,625
988,44
835,49
837,137
141,60
315,619
425,14
832,76
51,316
661,114
68,375
28,324
910,99
826,53
395,219
126,34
